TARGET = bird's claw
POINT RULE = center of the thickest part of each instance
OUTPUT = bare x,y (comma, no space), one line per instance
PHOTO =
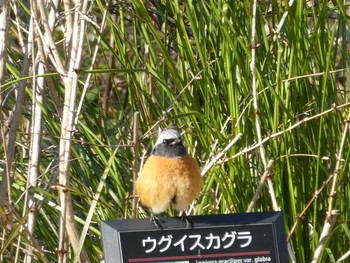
187,219
157,221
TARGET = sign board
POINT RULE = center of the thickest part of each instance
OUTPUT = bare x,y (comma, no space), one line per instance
230,238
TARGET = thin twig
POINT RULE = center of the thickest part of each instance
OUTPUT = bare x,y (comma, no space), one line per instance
194,77
94,56
256,108
343,257
287,80
21,224
254,85
93,205
301,215
261,185
332,213
164,116
18,26
327,229
277,134
215,159
213,146
338,167
9,133
4,24
49,39
82,142
316,74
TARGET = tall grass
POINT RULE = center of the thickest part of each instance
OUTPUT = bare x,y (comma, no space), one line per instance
185,63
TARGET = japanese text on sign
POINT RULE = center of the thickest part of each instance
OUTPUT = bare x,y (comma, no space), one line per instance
192,242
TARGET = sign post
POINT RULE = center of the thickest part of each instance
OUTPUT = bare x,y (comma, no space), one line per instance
230,238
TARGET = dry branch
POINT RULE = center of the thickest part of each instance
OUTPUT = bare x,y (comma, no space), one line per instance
9,131
332,213
278,134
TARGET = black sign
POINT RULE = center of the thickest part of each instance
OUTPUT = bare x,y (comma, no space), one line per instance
231,238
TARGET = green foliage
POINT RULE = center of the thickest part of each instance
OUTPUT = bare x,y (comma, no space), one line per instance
188,63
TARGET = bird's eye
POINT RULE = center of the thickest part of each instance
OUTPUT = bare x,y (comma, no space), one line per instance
165,142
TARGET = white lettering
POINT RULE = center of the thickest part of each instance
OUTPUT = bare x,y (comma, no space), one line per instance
262,259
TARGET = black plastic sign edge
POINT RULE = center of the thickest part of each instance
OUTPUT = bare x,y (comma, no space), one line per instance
168,223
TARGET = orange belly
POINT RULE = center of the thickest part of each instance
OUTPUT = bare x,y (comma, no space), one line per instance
168,180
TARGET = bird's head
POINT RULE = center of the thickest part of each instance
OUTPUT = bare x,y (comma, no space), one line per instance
169,144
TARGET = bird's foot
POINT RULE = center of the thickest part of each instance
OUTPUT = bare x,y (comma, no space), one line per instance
156,220
187,219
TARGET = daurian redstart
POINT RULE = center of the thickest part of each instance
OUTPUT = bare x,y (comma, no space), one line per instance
170,175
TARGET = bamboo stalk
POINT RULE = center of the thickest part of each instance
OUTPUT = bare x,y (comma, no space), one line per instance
35,151
136,162
4,16
68,227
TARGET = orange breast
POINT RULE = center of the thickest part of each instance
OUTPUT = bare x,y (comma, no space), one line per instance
164,180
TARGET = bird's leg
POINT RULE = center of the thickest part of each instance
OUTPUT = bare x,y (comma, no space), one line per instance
155,219
184,217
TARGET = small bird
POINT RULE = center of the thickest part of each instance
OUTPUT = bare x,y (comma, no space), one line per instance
170,176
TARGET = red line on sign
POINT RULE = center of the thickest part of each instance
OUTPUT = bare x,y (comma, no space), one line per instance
238,254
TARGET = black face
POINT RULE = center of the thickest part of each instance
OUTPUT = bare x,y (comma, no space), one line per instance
171,148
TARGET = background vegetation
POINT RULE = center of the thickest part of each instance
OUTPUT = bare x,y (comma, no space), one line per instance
260,89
